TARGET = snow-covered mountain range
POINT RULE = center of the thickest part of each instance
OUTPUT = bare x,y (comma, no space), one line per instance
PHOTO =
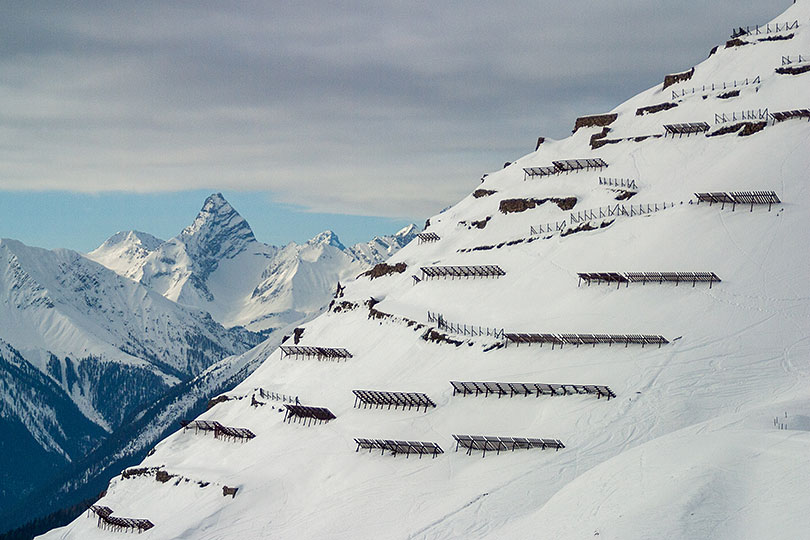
216,264
101,353
707,434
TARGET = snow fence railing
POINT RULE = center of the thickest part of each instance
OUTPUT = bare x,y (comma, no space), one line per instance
798,59
756,115
276,396
464,329
758,30
627,183
716,87
603,212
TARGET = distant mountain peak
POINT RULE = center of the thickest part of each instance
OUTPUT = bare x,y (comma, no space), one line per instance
327,238
145,240
407,231
218,231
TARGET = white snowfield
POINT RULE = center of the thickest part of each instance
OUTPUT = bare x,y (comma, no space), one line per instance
693,446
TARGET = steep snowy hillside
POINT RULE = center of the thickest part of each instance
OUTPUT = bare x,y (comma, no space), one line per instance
216,264
707,434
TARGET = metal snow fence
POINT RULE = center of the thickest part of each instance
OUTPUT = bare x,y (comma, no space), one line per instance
769,28
464,329
629,210
716,87
603,212
688,128
627,183
787,60
489,443
739,197
284,398
399,447
756,115
548,228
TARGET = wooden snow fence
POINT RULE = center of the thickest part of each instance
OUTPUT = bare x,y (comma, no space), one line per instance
584,339
648,277
399,447
225,433
475,388
531,172
427,237
781,116
112,523
377,399
321,353
689,128
739,197
452,272
307,415
564,166
573,165
497,444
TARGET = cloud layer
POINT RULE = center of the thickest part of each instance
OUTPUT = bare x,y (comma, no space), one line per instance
381,108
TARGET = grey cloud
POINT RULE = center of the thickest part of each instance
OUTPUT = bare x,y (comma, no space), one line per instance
379,101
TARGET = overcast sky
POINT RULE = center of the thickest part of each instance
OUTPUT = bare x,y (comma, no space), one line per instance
383,109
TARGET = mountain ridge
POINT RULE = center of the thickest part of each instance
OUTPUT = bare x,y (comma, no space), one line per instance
237,278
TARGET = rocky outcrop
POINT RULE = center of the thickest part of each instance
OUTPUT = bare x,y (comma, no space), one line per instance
652,109
793,70
384,269
596,120
674,78
511,206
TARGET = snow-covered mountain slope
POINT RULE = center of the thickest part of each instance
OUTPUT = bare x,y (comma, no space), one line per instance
216,264
42,427
82,345
708,433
